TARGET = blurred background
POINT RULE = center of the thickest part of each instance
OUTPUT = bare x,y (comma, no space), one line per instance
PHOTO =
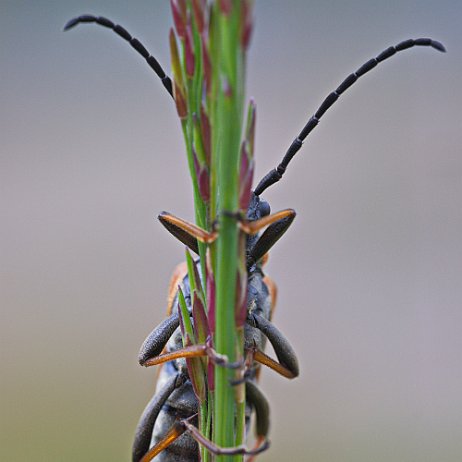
369,275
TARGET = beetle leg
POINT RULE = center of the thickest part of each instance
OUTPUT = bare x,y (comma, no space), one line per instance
148,418
252,227
259,402
157,339
270,236
267,361
186,232
191,351
218,450
257,399
175,432
288,363
185,425
135,43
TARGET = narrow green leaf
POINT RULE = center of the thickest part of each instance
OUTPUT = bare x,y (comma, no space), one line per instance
185,320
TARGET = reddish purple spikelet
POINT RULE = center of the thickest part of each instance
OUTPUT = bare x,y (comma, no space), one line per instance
178,85
227,90
247,23
226,6
247,164
180,101
204,185
189,53
211,376
198,7
175,57
201,325
194,365
207,67
196,373
203,178
197,165
245,178
250,129
179,16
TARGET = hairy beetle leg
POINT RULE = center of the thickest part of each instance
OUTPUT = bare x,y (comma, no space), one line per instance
262,358
270,236
186,232
141,451
185,425
147,420
258,401
193,351
151,351
288,362
252,227
267,361
155,342
174,433
220,451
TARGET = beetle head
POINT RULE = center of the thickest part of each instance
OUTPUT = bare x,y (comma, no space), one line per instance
258,208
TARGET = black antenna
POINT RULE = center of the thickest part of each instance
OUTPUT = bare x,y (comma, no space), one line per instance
276,174
135,43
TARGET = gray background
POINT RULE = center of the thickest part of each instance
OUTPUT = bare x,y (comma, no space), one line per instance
369,275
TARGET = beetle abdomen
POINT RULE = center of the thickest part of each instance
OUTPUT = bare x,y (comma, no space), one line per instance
181,404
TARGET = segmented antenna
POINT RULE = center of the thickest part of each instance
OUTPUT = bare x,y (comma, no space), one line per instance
276,174
134,42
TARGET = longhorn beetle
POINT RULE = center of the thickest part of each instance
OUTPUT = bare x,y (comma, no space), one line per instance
166,429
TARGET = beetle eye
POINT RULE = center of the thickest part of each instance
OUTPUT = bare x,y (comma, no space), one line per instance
264,208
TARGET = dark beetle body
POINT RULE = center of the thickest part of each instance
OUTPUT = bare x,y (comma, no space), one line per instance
174,399
182,403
